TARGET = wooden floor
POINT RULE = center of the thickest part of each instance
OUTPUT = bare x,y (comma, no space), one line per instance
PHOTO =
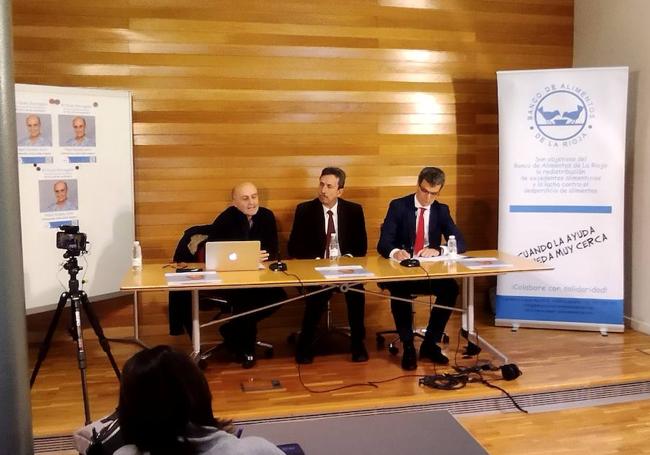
551,360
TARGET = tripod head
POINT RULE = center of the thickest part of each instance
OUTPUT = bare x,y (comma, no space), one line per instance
74,243
73,268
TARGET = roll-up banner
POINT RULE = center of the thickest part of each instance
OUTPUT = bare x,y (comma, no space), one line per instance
561,196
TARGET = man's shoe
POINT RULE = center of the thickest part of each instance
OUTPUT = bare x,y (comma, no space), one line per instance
409,357
433,353
359,352
471,350
304,357
248,361
304,349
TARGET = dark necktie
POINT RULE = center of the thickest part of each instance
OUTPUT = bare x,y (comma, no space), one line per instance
330,231
419,233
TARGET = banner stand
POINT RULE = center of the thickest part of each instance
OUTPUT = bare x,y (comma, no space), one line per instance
561,197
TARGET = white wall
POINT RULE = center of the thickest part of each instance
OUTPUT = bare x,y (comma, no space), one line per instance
617,33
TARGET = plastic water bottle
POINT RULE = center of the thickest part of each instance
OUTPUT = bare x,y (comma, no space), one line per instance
334,249
136,259
452,246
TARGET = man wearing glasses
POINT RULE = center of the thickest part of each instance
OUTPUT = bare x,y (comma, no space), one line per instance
413,227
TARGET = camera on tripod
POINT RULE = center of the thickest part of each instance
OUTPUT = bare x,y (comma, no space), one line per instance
71,240
74,244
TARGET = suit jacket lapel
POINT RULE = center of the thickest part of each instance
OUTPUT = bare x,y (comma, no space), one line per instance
433,221
410,222
320,223
341,231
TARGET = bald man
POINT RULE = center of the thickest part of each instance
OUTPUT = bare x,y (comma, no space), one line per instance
243,220
246,220
34,138
61,203
80,139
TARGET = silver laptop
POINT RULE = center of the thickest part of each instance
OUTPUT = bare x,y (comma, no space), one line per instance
232,256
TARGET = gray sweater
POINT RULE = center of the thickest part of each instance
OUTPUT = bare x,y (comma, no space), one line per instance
217,442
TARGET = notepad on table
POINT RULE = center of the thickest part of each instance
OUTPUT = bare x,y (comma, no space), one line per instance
484,263
190,278
344,271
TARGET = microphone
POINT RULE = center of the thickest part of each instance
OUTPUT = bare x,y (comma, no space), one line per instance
278,265
410,262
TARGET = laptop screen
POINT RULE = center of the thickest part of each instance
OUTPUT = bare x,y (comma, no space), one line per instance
232,256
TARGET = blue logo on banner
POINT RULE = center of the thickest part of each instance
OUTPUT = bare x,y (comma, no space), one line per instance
560,115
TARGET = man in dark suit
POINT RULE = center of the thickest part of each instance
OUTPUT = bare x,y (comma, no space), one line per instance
313,224
413,227
244,220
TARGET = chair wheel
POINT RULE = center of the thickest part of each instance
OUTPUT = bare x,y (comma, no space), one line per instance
381,341
203,364
394,350
291,339
445,338
268,353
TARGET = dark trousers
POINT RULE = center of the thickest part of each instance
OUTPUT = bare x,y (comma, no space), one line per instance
446,292
242,331
316,305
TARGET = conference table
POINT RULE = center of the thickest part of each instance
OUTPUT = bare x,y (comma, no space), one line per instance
302,273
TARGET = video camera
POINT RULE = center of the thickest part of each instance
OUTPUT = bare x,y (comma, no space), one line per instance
71,240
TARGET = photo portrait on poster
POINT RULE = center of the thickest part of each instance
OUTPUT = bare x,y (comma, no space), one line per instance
76,131
34,129
58,195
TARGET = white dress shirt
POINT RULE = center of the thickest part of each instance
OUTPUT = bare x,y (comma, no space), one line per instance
426,215
335,217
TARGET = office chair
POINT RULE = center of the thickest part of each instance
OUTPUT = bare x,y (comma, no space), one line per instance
380,337
224,308
329,329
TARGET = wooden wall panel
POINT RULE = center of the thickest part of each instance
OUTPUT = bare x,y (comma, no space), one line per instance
232,90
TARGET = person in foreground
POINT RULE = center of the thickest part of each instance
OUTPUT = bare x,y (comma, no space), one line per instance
313,224
165,408
414,226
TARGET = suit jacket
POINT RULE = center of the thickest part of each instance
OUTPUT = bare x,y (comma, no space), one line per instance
232,224
307,239
398,229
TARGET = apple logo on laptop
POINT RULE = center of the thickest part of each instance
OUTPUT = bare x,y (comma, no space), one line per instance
232,256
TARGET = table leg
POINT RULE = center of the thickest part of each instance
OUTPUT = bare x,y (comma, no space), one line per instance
196,329
136,327
465,304
468,305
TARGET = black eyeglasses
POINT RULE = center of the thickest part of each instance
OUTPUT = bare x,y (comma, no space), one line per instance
430,193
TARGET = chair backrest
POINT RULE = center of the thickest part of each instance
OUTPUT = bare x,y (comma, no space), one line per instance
190,247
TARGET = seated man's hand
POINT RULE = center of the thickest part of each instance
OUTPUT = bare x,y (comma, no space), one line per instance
264,255
400,255
428,252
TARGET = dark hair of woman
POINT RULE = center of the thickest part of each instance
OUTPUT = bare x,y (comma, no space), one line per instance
162,392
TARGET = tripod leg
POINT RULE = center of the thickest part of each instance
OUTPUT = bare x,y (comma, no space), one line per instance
77,335
45,346
94,322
